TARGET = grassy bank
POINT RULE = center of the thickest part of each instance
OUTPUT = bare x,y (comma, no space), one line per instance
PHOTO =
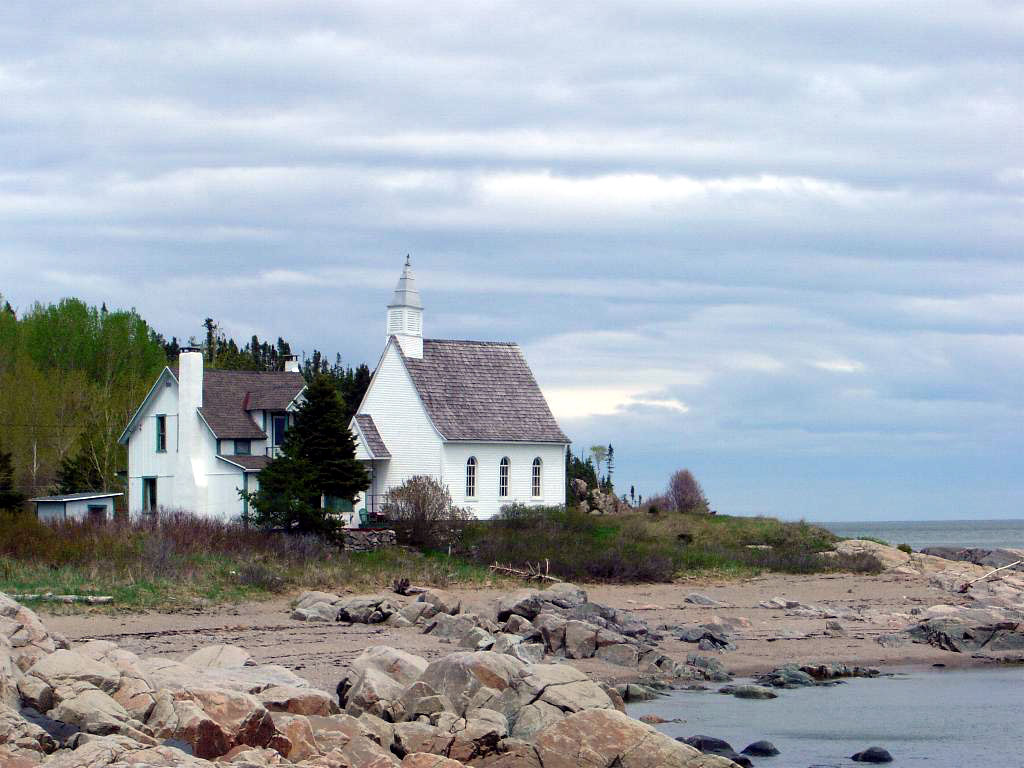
644,547
183,562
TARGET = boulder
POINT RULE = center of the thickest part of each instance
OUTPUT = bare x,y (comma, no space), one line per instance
417,612
889,557
420,737
534,718
27,638
526,603
475,736
375,693
65,667
86,707
373,609
552,631
472,680
218,657
477,639
580,639
760,749
750,692
562,686
402,666
517,625
696,598
457,627
872,755
426,760
441,602
599,738
17,733
708,744
564,595
175,676
298,701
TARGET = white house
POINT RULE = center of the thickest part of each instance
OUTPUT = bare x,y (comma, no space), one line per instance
201,436
95,506
468,413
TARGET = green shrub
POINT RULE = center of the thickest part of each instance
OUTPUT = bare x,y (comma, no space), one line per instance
906,548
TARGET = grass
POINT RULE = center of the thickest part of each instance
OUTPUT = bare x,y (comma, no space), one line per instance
183,562
645,547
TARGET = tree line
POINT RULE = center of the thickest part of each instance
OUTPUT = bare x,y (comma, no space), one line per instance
71,376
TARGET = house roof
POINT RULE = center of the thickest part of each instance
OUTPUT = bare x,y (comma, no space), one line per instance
79,496
246,463
229,396
482,390
374,442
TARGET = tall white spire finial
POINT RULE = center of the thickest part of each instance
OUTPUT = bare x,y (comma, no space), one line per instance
405,313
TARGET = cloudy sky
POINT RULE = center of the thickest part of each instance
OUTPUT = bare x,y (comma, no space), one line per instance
777,242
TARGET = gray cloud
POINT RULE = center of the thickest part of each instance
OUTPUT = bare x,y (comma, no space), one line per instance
778,242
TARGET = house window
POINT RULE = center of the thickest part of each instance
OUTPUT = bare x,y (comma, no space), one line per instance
538,467
503,477
149,494
279,422
161,434
243,447
471,478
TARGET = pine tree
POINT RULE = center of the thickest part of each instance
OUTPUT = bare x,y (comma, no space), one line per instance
10,499
78,473
317,459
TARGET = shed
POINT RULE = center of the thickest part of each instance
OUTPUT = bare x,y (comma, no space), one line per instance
90,505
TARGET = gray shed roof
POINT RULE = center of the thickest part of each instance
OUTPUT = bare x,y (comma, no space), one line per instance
482,390
373,439
79,496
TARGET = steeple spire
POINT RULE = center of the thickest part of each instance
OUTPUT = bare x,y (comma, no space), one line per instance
405,313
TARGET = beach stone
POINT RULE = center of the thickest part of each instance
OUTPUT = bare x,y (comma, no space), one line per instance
599,738
526,603
552,630
440,601
518,625
457,627
88,708
472,680
477,639
65,667
787,676
872,755
426,760
760,749
18,733
696,598
562,686
753,692
298,701
373,609
708,744
622,654
580,639
534,718
564,595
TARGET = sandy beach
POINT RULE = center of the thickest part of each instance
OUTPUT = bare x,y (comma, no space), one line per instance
319,652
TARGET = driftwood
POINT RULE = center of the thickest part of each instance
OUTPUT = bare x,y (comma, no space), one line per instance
49,597
967,586
530,573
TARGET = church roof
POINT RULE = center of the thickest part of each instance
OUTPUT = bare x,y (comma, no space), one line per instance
482,390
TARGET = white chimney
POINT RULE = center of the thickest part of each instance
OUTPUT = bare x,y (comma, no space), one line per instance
291,363
405,314
188,475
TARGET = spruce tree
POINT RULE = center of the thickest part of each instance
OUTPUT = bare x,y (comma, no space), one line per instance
10,499
317,459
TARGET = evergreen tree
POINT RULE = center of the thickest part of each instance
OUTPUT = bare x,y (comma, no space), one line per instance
79,473
10,499
317,459
610,465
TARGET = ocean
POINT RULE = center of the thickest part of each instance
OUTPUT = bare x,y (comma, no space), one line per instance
936,533
939,719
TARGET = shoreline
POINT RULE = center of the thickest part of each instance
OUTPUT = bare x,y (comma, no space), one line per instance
764,638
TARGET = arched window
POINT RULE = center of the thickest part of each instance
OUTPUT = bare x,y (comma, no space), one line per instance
503,469
471,478
538,469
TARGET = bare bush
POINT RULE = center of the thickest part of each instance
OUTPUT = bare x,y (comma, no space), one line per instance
685,494
424,514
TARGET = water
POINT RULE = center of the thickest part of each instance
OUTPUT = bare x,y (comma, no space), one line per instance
937,533
930,719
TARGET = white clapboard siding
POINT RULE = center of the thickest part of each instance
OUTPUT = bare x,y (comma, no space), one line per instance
143,459
488,456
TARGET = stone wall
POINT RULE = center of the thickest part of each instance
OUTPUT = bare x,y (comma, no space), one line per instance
368,539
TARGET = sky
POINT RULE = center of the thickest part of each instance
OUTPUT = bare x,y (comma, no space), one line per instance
777,242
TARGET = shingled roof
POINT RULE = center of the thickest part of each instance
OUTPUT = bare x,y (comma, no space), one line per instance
373,439
482,390
229,395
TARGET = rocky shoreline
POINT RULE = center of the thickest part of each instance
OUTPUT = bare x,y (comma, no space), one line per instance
525,679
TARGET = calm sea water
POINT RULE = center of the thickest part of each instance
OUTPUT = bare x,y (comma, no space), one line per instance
937,533
930,719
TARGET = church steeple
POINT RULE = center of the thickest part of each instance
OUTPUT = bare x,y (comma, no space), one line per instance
405,314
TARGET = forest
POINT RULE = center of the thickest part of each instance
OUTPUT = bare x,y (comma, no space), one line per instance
71,375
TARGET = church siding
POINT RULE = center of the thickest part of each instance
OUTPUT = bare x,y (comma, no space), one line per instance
488,456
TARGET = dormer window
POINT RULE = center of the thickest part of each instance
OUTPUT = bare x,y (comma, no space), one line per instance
503,470
243,447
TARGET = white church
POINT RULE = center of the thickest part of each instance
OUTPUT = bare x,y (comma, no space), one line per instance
468,413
